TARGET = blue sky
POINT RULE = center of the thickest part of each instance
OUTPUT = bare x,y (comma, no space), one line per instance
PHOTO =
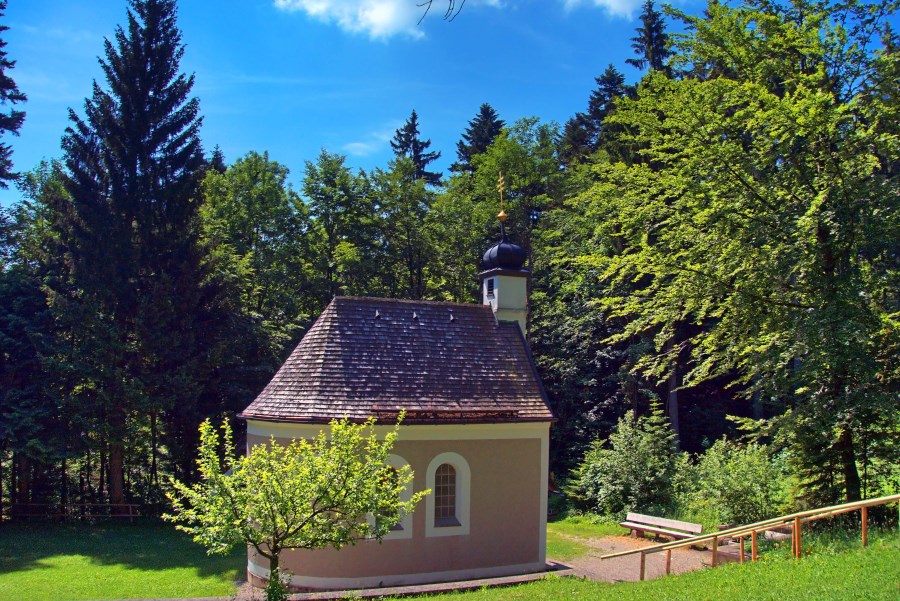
294,76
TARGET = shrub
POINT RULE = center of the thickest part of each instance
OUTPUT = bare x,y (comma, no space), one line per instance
732,483
632,470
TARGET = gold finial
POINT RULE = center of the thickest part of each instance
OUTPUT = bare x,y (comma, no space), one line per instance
502,214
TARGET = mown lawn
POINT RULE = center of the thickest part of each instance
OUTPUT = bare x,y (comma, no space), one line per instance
53,562
56,562
871,574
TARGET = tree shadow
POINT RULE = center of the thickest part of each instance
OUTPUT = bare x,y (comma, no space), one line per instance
144,545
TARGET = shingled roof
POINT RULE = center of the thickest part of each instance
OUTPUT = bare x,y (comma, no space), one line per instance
441,362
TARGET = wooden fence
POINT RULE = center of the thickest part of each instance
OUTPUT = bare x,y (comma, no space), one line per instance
793,521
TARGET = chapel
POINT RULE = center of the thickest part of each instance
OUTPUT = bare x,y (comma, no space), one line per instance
476,430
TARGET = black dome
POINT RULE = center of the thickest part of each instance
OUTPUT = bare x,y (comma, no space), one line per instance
504,255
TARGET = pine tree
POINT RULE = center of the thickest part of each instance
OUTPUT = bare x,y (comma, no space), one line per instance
406,143
11,121
586,133
133,164
481,133
216,161
651,44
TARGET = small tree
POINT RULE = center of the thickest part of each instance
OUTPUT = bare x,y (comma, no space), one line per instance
310,494
636,470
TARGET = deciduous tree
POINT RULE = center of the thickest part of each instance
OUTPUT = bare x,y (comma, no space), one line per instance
309,494
763,215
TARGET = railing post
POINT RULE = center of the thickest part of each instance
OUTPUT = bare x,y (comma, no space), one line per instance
753,548
715,560
798,539
741,560
865,526
668,561
643,564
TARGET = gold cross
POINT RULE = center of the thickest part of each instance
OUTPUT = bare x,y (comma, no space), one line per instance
502,215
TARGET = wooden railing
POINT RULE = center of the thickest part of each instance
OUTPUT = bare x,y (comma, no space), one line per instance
794,521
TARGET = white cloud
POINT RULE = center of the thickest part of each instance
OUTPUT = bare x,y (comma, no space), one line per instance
373,142
379,19
616,8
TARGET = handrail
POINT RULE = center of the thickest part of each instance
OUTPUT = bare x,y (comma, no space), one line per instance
795,519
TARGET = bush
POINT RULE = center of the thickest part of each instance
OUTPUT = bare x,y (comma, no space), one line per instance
732,484
634,471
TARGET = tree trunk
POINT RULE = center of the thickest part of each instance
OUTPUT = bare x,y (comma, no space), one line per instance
117,457
22,479
673,404
852,483
154,442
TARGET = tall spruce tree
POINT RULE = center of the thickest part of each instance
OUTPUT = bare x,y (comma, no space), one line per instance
130,231
407,143
483,129
11,120
587,132
651,44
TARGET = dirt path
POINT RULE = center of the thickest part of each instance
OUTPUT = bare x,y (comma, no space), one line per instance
628,568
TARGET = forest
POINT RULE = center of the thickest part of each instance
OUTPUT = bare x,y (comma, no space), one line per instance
715,252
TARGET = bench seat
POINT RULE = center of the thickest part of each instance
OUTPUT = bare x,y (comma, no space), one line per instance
639,523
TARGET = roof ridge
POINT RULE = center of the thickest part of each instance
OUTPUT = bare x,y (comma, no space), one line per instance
406,301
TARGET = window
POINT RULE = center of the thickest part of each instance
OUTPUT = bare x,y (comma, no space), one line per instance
490,286
447,507
404,528
445,496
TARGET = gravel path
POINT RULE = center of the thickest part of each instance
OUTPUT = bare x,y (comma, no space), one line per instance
628,568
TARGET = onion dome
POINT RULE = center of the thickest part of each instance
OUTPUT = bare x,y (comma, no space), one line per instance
504,254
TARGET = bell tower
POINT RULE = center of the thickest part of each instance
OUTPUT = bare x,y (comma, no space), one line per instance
504,282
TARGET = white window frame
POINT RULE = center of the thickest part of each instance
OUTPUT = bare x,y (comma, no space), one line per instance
463,495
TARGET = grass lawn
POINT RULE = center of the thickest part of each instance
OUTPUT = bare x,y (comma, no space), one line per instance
56,562
871,574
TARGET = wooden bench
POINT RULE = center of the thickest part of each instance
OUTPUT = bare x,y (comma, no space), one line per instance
640,523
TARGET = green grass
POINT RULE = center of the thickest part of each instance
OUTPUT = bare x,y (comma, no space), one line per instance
871,574
54,562
563,549
585,526
565,537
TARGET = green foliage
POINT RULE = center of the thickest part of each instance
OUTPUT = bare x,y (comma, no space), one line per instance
407,143
651,44
309,494
277,588
403,201
749,217
635,472
255,224
10,121
481,132
342,221
732,484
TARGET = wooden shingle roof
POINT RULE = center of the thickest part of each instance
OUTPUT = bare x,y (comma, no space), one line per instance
441,362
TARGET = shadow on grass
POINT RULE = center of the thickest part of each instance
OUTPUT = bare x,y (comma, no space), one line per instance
144,546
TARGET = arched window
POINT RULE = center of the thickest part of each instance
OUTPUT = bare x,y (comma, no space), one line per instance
445,496
447,507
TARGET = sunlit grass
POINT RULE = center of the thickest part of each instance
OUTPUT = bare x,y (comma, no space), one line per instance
54,562
871,574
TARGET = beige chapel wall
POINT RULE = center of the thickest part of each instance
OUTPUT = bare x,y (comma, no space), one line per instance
506,521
